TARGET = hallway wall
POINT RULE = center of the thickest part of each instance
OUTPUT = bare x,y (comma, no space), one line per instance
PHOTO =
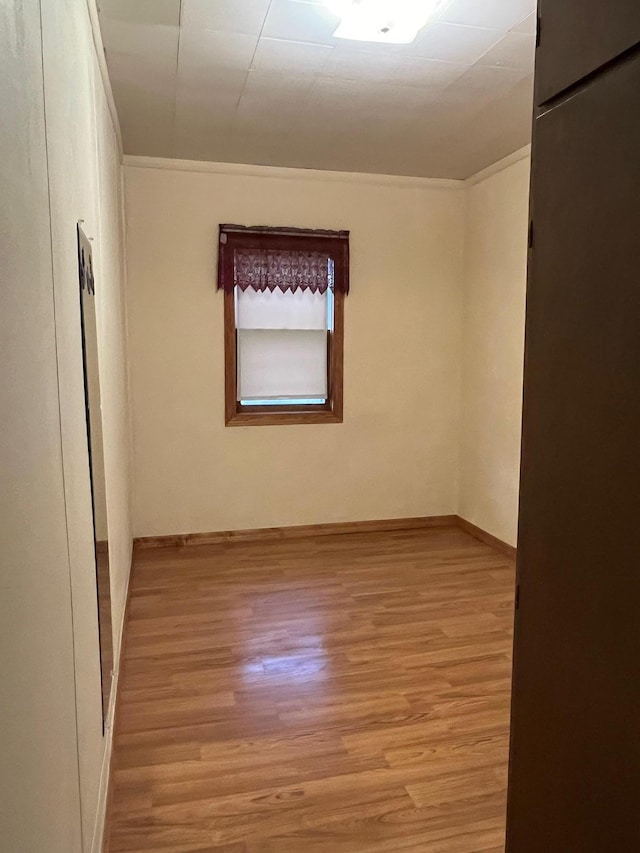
85,184
61,164
39,789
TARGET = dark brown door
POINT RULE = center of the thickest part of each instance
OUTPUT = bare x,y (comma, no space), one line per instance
579,36
575,756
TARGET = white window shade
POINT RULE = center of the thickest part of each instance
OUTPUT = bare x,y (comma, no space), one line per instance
281,364
267,309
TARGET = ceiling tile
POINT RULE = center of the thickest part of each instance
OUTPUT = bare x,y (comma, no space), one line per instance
492,14
230,16
438,124
145,136
266,148
529,25
211,83
504,126
255,115
209,49
341,95
280,90
163,12
276,85
142,40
146,120
515,50
204,111
290,56
202,145
353,64
142,75
158,105
365,98
199,136
297,21
454,43
482,84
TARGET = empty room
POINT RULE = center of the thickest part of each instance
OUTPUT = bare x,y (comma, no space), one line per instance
319,400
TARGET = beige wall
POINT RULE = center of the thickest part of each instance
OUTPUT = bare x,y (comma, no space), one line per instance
51,179
433,370
39,791
85,184
493,336
395,454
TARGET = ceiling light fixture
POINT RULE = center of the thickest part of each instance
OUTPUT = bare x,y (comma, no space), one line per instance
390,21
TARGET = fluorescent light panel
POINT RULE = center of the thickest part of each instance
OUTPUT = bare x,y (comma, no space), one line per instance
388,21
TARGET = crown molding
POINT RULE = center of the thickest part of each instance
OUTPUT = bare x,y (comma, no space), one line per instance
286,173
498,166
98,45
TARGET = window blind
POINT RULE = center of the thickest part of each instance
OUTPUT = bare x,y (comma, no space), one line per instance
282,364
282,344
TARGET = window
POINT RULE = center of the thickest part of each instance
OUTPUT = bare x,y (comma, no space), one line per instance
284,292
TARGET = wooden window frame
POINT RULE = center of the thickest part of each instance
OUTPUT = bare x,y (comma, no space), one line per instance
326,413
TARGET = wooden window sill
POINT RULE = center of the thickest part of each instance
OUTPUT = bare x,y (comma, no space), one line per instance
282,418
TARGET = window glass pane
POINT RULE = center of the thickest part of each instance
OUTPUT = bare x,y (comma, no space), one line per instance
277,363
277,310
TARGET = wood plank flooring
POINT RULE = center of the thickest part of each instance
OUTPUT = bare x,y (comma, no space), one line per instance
343,694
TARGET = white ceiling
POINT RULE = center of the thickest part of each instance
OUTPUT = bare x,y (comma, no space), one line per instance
264,82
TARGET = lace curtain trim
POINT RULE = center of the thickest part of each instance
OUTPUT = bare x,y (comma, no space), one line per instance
289,259
268,269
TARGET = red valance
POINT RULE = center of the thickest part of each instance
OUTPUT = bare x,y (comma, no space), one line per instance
264,258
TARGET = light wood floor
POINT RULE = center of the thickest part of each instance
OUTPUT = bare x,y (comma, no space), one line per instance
344,694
